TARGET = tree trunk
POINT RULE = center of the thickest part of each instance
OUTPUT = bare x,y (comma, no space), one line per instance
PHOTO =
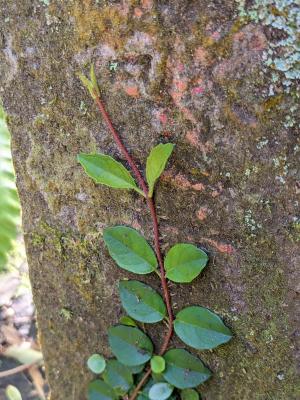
193,73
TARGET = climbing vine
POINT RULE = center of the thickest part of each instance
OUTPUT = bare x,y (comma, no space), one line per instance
138,372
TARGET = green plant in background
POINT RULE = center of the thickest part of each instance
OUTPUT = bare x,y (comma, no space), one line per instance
138,371
12,393
9,201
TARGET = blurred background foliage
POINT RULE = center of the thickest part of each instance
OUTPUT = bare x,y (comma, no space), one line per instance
9,201
21,366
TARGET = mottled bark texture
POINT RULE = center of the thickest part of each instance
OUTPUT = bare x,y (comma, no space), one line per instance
189,72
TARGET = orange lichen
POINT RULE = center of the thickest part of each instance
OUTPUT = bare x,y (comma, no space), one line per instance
201,56
132,91
202,213
137,12
192,137
181,181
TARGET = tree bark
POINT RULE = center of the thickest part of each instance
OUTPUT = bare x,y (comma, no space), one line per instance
188,72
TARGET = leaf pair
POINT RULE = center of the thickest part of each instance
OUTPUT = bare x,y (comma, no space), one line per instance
131,251
196,326
106,170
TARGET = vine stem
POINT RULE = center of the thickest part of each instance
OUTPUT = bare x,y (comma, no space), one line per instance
152,210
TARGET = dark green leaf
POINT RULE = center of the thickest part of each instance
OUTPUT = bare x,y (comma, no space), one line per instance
136,369
183,370
142,396
201,328
130,345
118,376
96,363
189,394
158,364
141,302
100,390
184,262
130,250
160,391
104,169
156,163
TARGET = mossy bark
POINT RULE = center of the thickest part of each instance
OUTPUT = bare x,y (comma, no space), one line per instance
189,72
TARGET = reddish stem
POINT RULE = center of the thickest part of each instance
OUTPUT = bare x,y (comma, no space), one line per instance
140,384
152,210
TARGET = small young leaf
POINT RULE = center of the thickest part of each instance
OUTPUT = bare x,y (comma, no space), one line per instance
156,163
96,363
141,302
100,390
183,370
158,364
12,393
104,169
125,320
94,81
87,84
118,376
130,345
184,262
91,85
160,391
130,250
200,328
189,394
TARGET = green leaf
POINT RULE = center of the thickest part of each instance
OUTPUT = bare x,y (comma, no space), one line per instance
200,328
136,369
142,396
118,376
96,363
130,250
125,320
9,202
158,364
184,262
160,391
12,393
189,394
104,169
183,370
156,163
130,345
100,390
141,302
